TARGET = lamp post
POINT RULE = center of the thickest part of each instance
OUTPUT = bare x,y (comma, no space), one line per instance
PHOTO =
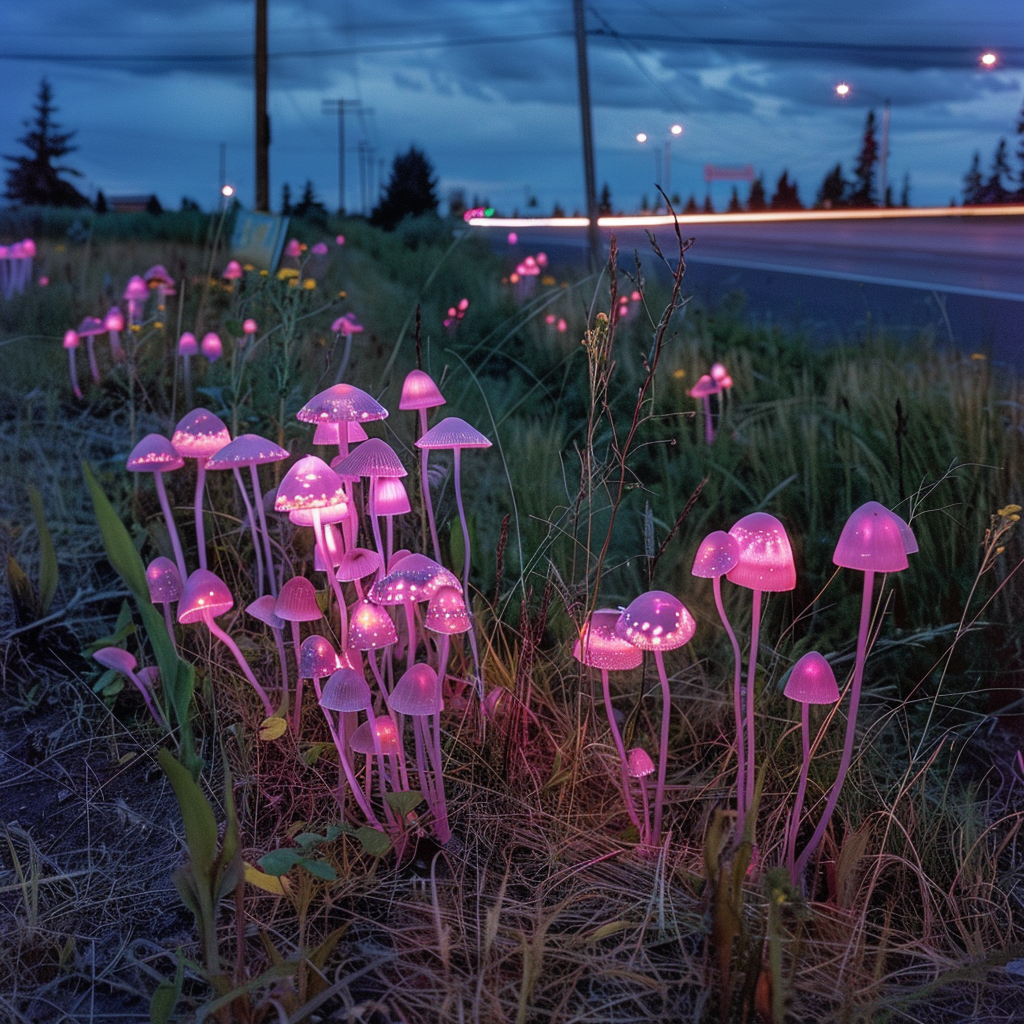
662,158
842,91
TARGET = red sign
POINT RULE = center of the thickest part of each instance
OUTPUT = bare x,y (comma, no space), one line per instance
713,172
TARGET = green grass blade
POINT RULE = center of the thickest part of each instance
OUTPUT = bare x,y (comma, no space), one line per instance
47,555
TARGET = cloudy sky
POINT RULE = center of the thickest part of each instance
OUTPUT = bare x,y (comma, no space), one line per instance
487,88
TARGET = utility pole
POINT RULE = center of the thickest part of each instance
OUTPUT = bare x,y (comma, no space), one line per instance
589,177
339,107
262,118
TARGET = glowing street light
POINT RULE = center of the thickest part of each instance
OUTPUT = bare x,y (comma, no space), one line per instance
641,137
842,89
662,165
988,59
676,129
227,191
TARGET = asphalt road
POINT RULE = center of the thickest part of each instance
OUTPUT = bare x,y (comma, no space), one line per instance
960,278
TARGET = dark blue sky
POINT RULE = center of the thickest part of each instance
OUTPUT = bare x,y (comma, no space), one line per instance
488,89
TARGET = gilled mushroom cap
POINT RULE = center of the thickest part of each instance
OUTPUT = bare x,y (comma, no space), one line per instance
136,288
317,658
309,484
599,646
346,690
331,514
766,558
420,392
296,601
373,458
330,433
263,609
447,612
872,540
390,497
453,433
414,578
638,763
417,692
339,403
187,344
154,454
157,274
706,385
717,554
370,627
200,434
116,658
361,740
247,450
358,563
206,596
91,325
656,621
812,681
164,581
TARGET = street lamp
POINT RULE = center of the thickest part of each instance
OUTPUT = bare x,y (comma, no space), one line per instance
988,59
842,91
663,161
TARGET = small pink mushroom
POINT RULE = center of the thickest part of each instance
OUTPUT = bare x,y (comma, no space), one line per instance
71,345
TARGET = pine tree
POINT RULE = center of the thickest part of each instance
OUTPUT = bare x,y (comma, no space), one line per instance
834,190
735,206
863,193
786,195
757,201
286,199
34,180
994,190
101,202
905,191
972,182
708,205
309,206
691,205
604,203
410,192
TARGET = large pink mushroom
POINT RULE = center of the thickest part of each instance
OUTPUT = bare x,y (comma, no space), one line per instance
166,586
155,454
297,603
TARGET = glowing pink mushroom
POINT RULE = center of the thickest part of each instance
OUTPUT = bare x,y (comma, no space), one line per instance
135,294
419,392
88,329
114,323
121,661
155,454
71,345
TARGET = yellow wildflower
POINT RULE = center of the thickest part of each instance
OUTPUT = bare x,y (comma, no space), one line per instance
309,284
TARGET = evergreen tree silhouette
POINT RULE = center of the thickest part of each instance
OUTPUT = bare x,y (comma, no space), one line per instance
410,192
972,182
757,202
833,192
863,193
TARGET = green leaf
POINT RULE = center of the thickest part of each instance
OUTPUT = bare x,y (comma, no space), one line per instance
123,628
373,841
307,839
279,862
47,556
120,549
166,996
23,595
196,812
318,868
404,802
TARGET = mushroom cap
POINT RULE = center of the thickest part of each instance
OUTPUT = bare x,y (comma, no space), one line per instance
187,344
390,497
246,450
812,681
453,433
340,403
90,326
357,563
370,627
656,621
330,433
599,646
116,658
205,596
200,434
157,274
233,271
718,553
414,578
249,325
350,325
638,763
718,373
136,288
706,385
71,338
331,514
320,249
873,540
417,692
317,658
346,690
263,609
164,581
114,320
766,558
309,484
293,248
211,346
447,612
296,601
154,454
420,392
361,741
373,458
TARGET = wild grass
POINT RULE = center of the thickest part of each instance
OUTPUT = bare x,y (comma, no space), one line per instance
542,909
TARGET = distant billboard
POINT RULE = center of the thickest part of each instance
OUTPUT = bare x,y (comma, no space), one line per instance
718,172
258,238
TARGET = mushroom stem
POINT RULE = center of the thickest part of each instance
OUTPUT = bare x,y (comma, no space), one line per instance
74,374
318,533
801,789
666,712
441,810
755,630
617,740
251,515
242,663
645,831
375,526
297,710
851,722
161,493
425,488
465,579
200,528
93,367
737,701
267,551
709,430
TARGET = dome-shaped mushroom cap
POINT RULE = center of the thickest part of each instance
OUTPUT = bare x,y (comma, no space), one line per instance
91,325
599,646
187,344
205,596
154,454
453,433
263,609
200,434
420,392
164,581
373,458
766,558
447,612
638,763
414,578
339,403
812,681
71,338
317,658
233,271
157,274
296,601
346,690
114,320
706,385
717,554
247,450
872,540
370,627
249,325
361,740
390,497
136,288
211,346
309,484
116,658
656,621
417,692
358,563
